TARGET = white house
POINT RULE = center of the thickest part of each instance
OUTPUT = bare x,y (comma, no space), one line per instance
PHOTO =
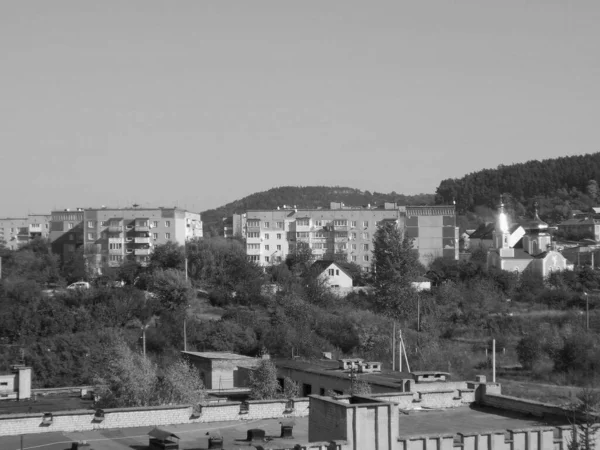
334,275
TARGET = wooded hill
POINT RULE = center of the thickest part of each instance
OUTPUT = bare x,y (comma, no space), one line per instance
305,197
559,185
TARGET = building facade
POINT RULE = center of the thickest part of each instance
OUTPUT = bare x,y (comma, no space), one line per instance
272,234
15,232
110,236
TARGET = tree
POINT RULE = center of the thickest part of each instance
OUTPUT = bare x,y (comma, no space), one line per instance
263,381
529,351
128,378
180,384
395,265
171,287
586,417
291,389
300,257
170,255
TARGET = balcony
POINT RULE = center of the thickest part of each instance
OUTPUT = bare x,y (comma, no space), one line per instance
140,228
116,251
115,240
142,240
142,251
115,229
114,263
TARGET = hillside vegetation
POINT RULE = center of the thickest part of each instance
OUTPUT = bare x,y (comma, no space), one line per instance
559,185
305,197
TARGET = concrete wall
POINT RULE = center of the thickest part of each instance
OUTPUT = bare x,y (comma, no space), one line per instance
82,420
363,422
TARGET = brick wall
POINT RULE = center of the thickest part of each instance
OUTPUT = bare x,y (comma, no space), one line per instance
82,420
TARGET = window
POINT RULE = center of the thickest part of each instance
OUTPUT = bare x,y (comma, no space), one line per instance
317,245
253,234
278,258
341,234
353,246
279,247
104,223
365,257
366,223
302,222
253,223
266,259
302,234
254,258
337,272
280,225
366,247
320,234
47,226
115,246
91,236
12,230
353,223
318,223
353,235
353,258
253,246
71,237
331,272
69,226
278,235
365,235
91,224
36,225
266,235
141,223
167,223
155,224
155,236
340,223
167,235
266,225
266,247
115,257
342,247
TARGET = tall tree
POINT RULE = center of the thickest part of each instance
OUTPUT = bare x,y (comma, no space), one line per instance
395,265
263,381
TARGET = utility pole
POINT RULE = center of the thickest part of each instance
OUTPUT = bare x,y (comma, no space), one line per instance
587,311
493,360
144,339
185,312
394,347
399,350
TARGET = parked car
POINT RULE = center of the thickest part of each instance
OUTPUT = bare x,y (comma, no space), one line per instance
79,285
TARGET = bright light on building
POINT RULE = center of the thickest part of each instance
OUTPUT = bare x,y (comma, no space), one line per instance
503,222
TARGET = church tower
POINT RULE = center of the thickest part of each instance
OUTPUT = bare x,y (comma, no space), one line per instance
502,234
537,239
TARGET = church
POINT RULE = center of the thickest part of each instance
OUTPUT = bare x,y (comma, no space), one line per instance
528,247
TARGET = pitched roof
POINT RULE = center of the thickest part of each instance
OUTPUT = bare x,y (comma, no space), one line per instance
322,264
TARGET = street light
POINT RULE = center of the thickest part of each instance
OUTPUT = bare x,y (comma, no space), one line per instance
144,327
587,311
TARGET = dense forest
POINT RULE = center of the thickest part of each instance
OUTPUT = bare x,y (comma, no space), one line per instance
559,185
305,197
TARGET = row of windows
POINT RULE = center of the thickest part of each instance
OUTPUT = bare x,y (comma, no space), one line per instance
268,259
317,234
92,236
32,225
255,223
141,223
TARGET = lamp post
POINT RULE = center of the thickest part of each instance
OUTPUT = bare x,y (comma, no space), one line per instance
144,327
587,311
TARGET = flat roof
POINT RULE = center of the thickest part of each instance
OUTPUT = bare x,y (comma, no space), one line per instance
191,436
331,368
217,355
468,419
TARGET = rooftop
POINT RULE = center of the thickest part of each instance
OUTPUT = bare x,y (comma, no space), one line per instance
468,420
217,355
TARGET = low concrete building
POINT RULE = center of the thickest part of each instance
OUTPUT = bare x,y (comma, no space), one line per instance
16,385
220,370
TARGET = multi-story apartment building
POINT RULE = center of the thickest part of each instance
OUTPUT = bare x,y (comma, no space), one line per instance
272,234
18,231
109,236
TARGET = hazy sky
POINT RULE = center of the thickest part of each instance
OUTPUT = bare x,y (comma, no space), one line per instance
199,103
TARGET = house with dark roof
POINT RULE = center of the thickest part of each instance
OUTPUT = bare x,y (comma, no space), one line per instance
333,274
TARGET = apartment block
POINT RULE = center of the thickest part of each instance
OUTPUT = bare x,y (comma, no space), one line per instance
272,234
18,231
110,236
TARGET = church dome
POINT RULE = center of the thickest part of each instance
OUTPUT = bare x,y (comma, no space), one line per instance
536,224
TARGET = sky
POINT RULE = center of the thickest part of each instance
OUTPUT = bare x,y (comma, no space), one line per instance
198,103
